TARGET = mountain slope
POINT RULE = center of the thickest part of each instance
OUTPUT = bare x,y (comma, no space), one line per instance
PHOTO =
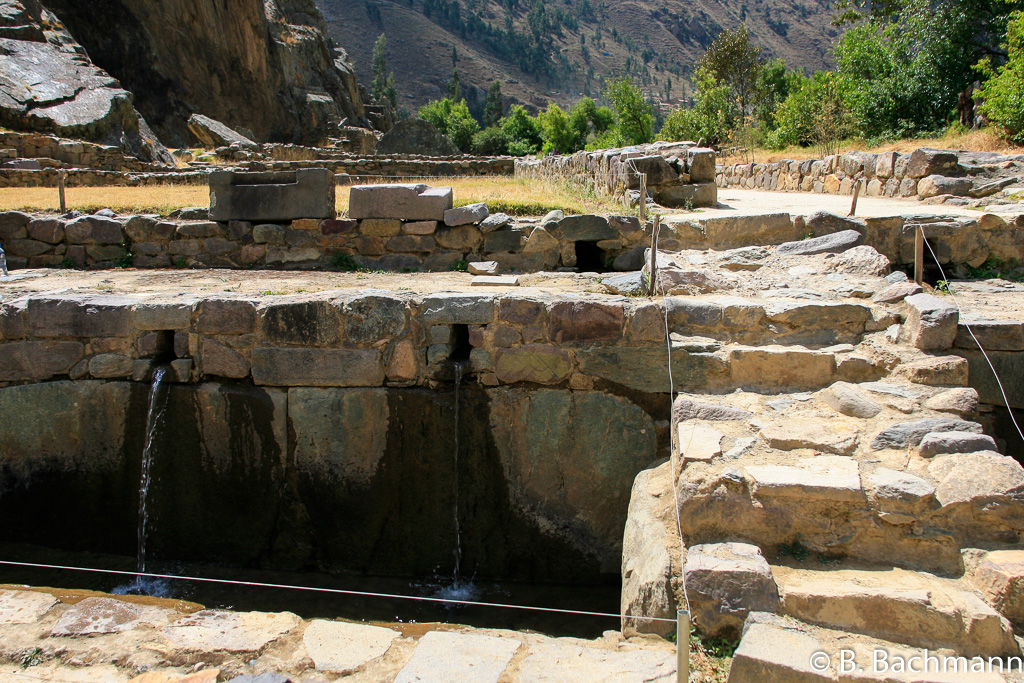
562,49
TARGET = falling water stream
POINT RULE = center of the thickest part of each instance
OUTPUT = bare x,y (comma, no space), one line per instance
154,411
459,589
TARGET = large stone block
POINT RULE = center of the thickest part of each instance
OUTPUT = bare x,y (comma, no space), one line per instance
700,164
999,576
731,232
834,243
34,360
536,363
586,228
226,316
317,367
774,368
407,202
275,196
79,316
725,582
573,321
465,215
681,196
931,322
302,320
925,162
452,308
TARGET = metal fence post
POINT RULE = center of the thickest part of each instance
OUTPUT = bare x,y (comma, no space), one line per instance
683,646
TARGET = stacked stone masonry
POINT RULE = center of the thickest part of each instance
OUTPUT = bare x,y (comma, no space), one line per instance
677,174
924,174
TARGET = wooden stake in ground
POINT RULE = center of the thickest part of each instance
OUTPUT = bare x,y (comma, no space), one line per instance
654,256
919,254
856,196
61,176
643,197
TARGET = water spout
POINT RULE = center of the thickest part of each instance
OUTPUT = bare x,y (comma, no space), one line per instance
3,262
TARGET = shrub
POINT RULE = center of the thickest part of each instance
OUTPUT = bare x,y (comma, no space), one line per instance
490,142
1004,90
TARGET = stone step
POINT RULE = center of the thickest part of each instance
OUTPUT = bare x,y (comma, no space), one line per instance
778,649
912,608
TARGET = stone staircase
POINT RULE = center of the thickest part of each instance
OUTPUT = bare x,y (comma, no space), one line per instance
838,499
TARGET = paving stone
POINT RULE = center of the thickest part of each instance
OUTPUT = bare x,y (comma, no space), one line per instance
98,615
483,268
834,478
835,243
495,281
907,434
686,408
848,400
558,662
965,477
24,607
804,433
954,442
340,646
698,442
724,583
262,678
896,293
214,630
444,656
775,654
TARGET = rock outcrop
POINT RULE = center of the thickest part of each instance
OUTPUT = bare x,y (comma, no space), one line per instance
266,67
48,83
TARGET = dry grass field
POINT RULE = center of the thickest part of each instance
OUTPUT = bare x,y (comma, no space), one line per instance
516,196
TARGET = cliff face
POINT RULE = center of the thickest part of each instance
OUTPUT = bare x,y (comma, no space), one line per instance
48,84
265,66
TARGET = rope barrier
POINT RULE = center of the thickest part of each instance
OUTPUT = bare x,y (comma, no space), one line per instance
992,367
337,591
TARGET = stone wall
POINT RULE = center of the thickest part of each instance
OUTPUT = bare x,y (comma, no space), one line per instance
189,239
924,174
677,174
66,153
349,168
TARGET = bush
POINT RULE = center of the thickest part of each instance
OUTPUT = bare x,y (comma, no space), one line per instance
522,132
490,142
712,117
1004,90
452,119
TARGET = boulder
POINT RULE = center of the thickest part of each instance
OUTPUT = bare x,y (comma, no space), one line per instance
935,185
466,215
826,222
848,400
700,164
684,196
896,293
931,322
586,228
906,434
954,442
494,222
658,170
416,136
212,134
724,583
925,162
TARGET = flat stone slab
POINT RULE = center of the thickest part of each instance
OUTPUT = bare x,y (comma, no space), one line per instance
483,268
911,433
564,663
771,653
835,243
495,281
444,656
100,615
24,607
804,433
214,630
699,442
413,202
340,646
823,478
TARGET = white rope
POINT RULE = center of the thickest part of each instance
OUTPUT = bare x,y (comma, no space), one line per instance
338,591
999,382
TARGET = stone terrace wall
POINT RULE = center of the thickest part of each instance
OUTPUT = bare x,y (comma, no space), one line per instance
348,168
62,152
368,339
188,239
924,174
678,174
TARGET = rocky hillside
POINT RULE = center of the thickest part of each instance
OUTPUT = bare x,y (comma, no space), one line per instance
563,49
48,84
265,66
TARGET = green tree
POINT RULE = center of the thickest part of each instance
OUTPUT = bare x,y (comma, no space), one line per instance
905,62
383,86
557,130
455,87
522,131
732,60
814,113
711,118
1004,89
494,107
633,114
452,119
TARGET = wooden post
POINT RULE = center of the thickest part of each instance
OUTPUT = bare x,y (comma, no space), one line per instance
643,197
61,175
682,646
856,196
652,283
919,254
